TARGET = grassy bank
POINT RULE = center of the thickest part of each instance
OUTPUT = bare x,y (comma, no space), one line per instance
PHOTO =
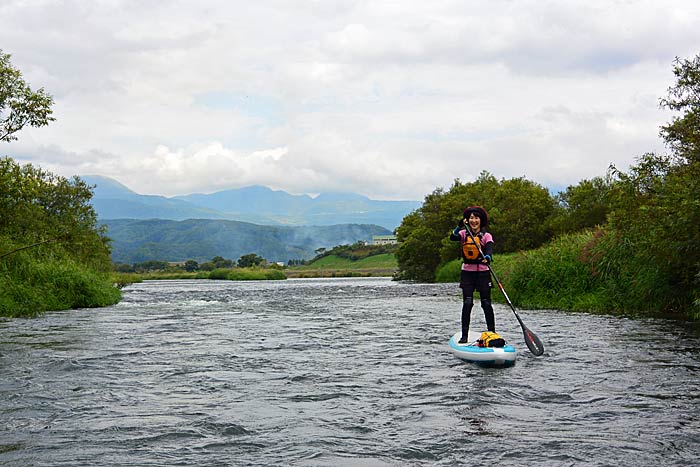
30,286
232,274
327,266
382,265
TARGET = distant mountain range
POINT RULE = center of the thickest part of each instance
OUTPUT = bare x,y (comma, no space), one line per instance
273,224
255,204
136,241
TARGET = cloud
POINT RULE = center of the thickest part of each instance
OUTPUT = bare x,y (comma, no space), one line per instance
388,99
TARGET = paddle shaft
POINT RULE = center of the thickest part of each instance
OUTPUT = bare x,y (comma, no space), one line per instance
533,342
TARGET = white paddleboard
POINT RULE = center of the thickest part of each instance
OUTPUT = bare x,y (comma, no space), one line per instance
483,356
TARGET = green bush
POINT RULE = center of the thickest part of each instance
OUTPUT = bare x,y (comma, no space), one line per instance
449,272
29,286
226,274
52,254
219,274
556,276
254,274
247,274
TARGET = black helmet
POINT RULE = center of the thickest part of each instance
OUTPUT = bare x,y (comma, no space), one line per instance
479,212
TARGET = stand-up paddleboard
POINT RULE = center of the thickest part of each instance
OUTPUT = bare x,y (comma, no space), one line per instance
483,356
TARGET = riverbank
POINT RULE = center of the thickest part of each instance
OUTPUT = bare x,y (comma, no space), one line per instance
331,272
358,260
232,274
32,284
382,265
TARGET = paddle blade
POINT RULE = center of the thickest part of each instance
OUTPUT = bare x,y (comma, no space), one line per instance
533,342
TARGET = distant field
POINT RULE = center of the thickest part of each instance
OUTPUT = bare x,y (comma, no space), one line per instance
334,266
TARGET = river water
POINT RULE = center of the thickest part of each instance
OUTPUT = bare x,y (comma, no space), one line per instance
347,372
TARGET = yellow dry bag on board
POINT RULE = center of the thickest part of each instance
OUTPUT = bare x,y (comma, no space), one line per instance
491,339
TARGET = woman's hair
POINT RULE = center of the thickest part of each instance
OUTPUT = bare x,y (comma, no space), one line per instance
479,212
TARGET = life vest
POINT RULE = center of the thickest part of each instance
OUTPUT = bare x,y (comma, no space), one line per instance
470,250
490,339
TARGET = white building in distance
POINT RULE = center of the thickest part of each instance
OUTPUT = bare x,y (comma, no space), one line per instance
384,240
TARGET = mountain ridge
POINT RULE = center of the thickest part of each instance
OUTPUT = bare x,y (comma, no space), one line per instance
256,204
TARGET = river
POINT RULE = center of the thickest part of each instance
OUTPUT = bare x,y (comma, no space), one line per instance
338,372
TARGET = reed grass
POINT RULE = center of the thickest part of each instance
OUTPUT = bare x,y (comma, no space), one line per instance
30,285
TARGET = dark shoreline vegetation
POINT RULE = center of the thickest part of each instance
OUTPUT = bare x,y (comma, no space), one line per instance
357,260
231,274
30,286
623,243
52,257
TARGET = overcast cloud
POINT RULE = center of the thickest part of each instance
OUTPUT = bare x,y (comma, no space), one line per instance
390,99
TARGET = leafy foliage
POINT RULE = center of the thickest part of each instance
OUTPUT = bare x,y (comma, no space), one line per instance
520,211
234,274
221,262
31,283
36,206
250,260
653,240
19,105
682,133
652,249
582,206
191,265
554,276
51,254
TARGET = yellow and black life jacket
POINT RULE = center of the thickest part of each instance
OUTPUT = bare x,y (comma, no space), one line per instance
470,250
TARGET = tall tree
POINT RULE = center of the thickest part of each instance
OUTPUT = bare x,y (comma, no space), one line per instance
250,260
519,211
682,133
19,105
656,212
581,206
36,205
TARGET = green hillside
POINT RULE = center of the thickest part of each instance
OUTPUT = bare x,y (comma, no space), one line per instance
136,241
358,259
386,260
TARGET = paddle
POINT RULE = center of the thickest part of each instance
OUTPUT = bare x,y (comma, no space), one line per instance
531,340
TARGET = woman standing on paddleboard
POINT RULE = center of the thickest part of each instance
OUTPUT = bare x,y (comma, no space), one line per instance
475,274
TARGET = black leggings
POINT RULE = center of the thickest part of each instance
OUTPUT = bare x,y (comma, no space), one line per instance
481,281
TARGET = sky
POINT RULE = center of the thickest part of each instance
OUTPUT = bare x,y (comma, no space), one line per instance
389,99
